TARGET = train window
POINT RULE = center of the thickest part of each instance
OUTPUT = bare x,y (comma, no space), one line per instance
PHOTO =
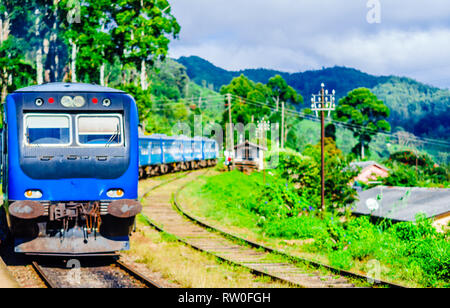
47,129
95,130
156,148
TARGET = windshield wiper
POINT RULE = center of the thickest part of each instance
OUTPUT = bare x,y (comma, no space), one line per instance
116,133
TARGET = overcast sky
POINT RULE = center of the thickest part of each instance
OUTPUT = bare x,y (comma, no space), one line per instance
412,38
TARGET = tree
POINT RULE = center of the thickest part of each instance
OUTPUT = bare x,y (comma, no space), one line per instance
15,72
365,114
246,95
87,32
281,91
13,68
338,192
141,32
330,131
304,172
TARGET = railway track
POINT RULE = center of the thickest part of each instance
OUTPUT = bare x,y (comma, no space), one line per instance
166,215
101,273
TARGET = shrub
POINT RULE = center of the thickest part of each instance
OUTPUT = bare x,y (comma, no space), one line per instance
341,259
302,227
304,172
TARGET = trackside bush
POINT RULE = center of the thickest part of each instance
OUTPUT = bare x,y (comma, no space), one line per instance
409,251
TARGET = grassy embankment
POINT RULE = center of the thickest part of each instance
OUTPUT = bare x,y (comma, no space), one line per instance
181,265
413,254
188,268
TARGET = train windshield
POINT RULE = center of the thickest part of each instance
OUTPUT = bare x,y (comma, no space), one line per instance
50,130
104,130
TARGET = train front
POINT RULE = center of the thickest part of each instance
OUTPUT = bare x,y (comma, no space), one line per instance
71,172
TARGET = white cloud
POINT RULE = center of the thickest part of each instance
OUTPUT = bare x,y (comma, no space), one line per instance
413,38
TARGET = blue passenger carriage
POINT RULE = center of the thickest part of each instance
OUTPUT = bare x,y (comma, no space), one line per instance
160,154
70,169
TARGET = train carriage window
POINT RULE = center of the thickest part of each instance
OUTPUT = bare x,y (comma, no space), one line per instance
156,148
197,146
47,130
95,130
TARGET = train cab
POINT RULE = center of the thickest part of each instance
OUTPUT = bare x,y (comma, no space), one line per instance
70,168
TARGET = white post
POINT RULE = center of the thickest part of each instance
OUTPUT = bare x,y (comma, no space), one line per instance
74,61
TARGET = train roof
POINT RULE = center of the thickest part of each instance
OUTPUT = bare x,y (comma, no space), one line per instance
67,87
161,136
179,137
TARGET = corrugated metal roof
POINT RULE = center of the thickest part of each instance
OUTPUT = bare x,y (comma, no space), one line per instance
403,203
364,164
247,143
68,87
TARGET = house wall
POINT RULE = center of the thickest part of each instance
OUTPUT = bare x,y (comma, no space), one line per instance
371,173
441,222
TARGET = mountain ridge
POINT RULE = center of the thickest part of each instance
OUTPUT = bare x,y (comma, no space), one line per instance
415,107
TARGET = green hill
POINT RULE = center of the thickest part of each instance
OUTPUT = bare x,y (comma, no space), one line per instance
415,107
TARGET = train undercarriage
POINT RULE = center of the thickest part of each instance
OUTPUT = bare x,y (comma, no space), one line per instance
155,170
72,228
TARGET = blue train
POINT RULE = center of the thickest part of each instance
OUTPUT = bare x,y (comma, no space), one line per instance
71,160
160,154
70,169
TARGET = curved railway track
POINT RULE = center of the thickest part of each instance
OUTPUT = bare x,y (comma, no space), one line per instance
166,215
99,274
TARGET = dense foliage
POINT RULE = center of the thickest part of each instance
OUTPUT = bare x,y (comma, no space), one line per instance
67,40
365,114
409,169
415,107
304,172
251,102
410,251
168,101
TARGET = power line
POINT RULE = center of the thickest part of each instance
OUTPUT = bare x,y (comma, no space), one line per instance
348,125
221,99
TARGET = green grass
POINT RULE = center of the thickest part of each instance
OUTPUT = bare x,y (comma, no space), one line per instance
410,253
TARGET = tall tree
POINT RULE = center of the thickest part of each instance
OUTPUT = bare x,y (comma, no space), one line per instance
365,114
13,67
283,92
288,97
245,94
141,32
87,31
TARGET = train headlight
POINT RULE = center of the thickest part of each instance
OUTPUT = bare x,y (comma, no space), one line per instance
33,194
79,101
39,102
67,101
115,193
106,102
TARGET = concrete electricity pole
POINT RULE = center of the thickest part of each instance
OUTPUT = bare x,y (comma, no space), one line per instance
282,124
231,128
323,102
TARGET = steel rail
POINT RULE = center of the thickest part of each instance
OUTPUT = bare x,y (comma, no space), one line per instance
159,228
49,284
256,245
137,275
239,239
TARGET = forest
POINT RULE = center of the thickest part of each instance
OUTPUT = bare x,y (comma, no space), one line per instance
124,44
396,121
415,107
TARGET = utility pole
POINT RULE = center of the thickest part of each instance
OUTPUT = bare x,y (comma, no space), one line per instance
282,124
263,127
362,149
323,102
231,128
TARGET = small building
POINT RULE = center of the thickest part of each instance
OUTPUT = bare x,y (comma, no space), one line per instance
370,171
249,157
404,203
